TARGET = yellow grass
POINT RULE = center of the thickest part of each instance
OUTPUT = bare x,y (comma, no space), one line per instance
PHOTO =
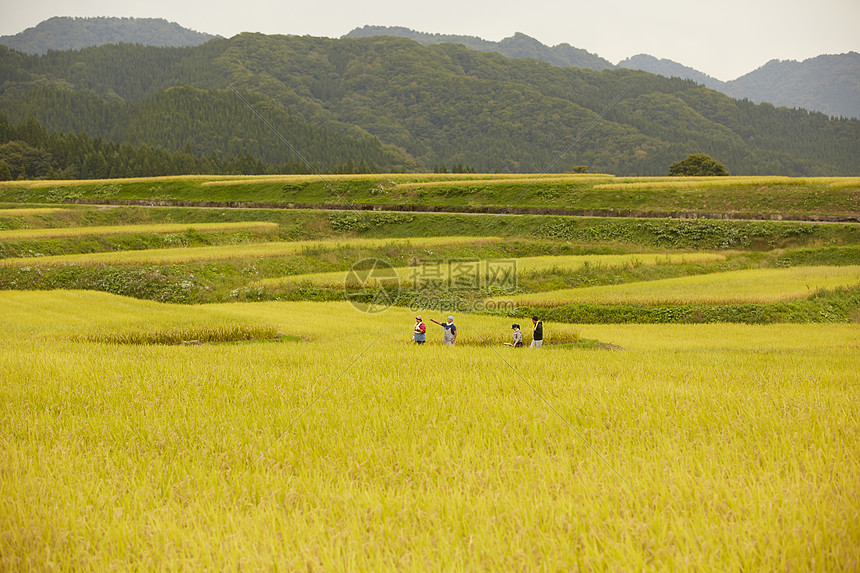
24,234
217,180
268,179
397,179
844,182
84,315
534,265
523,266
646,183
518,180
181,255
747,286
28,211
416,180
698,447
38,183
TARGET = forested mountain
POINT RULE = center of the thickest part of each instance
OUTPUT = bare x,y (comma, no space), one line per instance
829,84
395,104
517,46
62,33
205,122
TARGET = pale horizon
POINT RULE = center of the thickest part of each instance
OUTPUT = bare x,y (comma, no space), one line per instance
723,40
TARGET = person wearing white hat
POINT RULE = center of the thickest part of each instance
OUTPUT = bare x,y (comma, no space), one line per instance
450,330
419,331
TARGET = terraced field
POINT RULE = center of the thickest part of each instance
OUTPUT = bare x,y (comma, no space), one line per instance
179,255
280,426
447,272
811,198
735,287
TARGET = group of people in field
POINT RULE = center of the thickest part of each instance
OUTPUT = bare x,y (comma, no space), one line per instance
420,330
419,335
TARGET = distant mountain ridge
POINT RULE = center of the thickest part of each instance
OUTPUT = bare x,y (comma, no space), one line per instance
828,83
670,69
64,33
517,46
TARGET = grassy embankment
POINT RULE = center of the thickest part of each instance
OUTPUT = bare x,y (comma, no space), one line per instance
202,255
736,196
734,287
528,266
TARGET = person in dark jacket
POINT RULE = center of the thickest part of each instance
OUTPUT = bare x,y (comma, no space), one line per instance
537,333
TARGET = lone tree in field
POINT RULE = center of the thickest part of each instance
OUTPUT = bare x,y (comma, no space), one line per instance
697,164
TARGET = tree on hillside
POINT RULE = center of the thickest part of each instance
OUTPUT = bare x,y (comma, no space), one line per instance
697,164
20,158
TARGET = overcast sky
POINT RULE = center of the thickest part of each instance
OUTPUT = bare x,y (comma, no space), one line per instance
724,39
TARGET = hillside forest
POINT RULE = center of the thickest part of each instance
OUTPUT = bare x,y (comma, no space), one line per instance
257,103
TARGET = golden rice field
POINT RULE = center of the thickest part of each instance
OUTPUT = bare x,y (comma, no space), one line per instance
311,436
518,180
30,211
92,316
650,183
405,181
41,183
177,255
536,265
210,180
345,448
732,287
523,266
844,182
53,233
429,180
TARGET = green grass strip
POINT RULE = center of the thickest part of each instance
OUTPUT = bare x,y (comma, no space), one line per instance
733,287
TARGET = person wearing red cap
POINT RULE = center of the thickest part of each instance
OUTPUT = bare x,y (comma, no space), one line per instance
419,331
